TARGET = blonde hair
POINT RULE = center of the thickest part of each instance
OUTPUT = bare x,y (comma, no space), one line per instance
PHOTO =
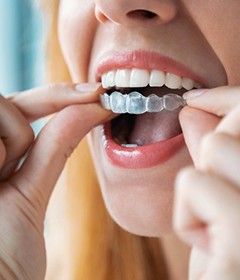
100,249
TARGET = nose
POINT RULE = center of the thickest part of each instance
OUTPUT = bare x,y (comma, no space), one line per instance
132,12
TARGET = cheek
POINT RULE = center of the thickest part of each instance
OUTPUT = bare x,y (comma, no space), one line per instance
76,27
219,23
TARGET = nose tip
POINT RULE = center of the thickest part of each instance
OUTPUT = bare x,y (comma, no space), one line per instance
132,12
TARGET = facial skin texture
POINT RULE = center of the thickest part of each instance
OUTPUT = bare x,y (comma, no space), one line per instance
198,34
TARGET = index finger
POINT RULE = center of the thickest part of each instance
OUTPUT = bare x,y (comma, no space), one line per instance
42,167
40,102
218,101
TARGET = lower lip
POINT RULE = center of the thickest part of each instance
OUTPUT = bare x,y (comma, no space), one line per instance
140,157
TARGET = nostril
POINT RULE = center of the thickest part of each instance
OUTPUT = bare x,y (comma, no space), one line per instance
141,14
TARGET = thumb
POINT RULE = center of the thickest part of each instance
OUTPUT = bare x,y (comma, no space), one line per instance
195,124
55,143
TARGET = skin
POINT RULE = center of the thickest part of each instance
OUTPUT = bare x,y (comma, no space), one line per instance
153,203
139,206
206,197
24,196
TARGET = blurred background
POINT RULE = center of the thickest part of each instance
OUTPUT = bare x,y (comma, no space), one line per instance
21,46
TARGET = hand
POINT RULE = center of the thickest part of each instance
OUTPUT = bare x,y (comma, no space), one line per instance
24,193
207,202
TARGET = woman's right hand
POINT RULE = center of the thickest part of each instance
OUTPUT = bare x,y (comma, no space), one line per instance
207,197
24,193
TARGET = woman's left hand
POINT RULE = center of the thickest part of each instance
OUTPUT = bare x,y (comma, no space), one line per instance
207,201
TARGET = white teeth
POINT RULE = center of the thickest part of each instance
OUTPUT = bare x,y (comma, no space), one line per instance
105,83
197,85
187,83
129,145
139,78
173,81
122,78
110,78
157,78
142,77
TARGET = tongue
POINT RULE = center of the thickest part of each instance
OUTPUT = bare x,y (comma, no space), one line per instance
154,127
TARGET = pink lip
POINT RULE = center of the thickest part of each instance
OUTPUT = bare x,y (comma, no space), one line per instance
157,153
140,157
143,60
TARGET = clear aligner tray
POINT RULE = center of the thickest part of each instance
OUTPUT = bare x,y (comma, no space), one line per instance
136,103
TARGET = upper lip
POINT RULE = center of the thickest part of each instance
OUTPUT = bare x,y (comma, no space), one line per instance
144,60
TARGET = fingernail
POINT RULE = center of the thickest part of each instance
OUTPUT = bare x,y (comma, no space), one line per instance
193,93
87,87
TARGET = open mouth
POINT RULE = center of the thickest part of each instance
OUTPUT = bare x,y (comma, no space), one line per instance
148,103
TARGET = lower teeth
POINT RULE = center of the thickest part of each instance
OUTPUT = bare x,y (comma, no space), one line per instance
129,145
136,103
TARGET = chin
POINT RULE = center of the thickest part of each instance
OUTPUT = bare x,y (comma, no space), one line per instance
140,200
141,217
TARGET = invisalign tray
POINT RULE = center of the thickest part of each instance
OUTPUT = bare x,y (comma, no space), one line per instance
136,103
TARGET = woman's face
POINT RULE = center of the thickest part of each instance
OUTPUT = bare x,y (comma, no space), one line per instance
186,42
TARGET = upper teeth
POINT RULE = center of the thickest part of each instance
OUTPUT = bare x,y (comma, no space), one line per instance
142,78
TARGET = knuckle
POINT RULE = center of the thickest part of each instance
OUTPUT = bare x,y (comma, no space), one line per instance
3,153
56,90
27,137
184,176
212,144
185,179
65,148
208,141
234,114
51,90
68,151
208,149
61,144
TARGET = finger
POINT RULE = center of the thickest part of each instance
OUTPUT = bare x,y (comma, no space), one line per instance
198,264
205,209
54,145
37,103
195,124
220,155
223,269
3,153
204,266
230,124
218,101
15,132
40,102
